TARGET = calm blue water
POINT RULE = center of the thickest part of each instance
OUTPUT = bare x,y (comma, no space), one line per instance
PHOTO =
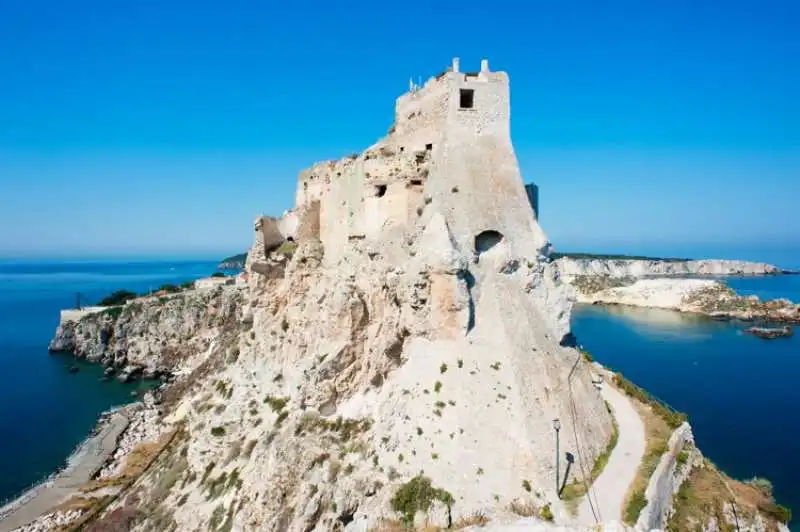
742,393
44,410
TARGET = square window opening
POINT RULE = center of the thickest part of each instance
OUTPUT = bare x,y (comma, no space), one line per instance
467,98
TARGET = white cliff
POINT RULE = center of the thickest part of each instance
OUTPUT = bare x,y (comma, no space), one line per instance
570,267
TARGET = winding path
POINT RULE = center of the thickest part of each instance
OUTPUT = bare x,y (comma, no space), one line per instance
82,465
608,491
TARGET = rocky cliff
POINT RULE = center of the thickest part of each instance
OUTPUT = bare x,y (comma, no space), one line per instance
572,267
151,336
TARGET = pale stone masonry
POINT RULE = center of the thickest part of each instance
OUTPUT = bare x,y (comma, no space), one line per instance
449,151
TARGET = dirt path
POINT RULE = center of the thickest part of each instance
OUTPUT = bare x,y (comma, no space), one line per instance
82,465
608,491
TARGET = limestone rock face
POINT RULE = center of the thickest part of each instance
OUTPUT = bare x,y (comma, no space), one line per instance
151,336
414,328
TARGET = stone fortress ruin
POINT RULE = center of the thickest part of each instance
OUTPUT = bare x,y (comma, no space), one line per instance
420,254
449,148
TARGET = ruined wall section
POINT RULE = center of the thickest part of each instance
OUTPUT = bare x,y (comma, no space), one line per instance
421,116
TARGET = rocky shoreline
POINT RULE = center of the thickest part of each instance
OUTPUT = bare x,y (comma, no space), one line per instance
142,423
698,296
570,267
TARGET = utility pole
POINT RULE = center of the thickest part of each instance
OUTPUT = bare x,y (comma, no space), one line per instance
557,427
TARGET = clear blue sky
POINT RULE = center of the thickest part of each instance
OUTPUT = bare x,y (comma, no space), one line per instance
167,126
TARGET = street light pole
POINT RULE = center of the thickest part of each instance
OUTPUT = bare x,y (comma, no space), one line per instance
557,427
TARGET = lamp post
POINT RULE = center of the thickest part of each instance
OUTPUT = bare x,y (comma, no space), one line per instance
557,427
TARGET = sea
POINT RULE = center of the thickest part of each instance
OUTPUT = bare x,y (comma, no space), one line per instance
46,410
741,393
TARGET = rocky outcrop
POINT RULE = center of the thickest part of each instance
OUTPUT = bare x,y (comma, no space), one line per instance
153,336
621,268
769,333
699,296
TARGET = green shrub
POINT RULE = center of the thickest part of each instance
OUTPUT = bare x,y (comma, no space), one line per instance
418,495
218,431
778,512
276,403
114,312
171,288
526,485
635,506
117,298
187,285
546,513
682,458
761,484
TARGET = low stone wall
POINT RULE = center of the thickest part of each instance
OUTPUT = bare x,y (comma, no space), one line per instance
667,479
75,315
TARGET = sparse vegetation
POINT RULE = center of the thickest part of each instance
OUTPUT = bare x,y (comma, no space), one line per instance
524,508
495,366
573,491
171,288
113,312
473,519
546,513
276,403
682,458
526,485
460,363
437,386
672,417
634,507
117,298
443,368
657,434
218,431
418,495
706,490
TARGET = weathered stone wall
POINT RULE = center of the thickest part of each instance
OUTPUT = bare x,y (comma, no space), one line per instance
421,115
270,237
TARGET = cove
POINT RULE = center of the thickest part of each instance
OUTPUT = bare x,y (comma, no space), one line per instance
740,392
